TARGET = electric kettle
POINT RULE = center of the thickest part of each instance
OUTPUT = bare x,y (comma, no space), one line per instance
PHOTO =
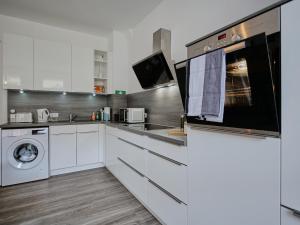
43,115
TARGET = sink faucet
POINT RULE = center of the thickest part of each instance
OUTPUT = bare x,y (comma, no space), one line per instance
72,117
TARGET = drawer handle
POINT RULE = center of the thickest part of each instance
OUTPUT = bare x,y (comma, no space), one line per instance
166,158
142,175
166,192
135,145
87,132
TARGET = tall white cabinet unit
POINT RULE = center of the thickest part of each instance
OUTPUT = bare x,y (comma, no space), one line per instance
290,113
82,69
233,179
17,62
52,66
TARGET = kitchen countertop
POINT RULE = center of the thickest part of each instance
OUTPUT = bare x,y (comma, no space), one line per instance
156,134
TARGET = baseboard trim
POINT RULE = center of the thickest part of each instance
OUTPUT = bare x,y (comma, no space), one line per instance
75,169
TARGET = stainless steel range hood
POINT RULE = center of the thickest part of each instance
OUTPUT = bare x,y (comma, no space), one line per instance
157,69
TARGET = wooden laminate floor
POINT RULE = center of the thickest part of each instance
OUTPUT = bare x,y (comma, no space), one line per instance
84,198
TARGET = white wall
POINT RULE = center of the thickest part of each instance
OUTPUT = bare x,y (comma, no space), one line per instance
188,20
41,31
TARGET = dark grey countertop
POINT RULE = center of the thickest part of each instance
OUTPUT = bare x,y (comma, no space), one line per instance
156,134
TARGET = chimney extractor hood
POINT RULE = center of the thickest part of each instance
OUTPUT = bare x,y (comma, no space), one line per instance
156,70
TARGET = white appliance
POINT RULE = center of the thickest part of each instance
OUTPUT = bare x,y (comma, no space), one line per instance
21,117
43,115
132,115
24,155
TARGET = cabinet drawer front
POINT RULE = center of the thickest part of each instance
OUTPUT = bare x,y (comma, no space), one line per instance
133,154
67,129
133,180
160,170
168,209
137,139
172,151
87,128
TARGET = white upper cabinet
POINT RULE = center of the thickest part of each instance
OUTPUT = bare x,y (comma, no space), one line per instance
52,66
17,62
82,69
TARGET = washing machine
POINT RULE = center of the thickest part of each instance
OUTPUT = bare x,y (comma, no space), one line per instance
24,155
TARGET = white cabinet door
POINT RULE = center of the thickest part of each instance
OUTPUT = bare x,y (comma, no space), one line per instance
233,179
289,217
52,66
290,105
17,62
82,69
62,151
87,148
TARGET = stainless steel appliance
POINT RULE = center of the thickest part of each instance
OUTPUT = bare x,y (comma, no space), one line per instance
156,70
21,117
252,47
132,115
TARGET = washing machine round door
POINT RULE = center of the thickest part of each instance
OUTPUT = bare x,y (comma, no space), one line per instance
25,154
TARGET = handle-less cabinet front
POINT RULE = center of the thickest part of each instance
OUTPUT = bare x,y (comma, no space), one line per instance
17,62
87,148
62,145
82,69
52,66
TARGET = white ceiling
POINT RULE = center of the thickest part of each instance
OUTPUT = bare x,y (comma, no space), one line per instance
90,16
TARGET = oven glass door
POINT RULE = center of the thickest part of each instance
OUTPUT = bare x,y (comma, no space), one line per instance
250,100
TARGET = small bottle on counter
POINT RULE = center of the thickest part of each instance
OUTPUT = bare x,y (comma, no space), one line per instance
98,115
93,116
101,115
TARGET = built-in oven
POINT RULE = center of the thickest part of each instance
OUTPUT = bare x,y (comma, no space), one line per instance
252,87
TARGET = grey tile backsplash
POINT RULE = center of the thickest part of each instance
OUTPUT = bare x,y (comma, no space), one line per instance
80,104
162,105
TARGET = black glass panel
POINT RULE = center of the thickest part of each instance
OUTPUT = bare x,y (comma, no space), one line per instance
252,85
153,71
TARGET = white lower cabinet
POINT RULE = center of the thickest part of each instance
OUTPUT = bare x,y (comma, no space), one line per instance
62,151
288,217
169,174
158,181
87,148
166,207
133,154
133,180
111,155
74,148
233,180
62,147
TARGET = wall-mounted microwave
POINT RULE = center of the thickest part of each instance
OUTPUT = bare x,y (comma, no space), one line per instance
132,115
